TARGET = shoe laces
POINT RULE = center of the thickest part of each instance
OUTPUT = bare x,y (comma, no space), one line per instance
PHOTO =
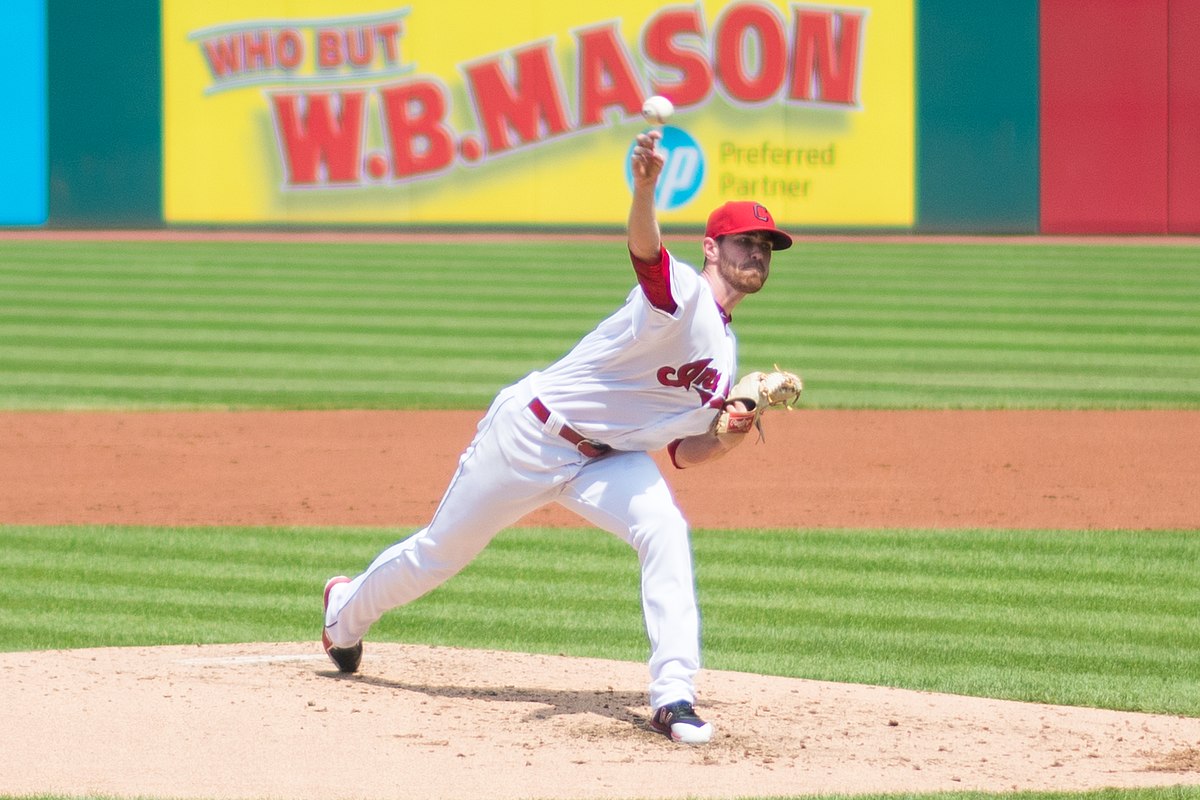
682,711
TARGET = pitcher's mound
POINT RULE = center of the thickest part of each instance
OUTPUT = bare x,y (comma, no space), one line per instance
275,720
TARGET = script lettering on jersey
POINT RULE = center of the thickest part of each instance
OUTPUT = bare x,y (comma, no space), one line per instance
696,375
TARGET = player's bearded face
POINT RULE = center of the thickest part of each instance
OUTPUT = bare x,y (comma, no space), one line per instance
744,261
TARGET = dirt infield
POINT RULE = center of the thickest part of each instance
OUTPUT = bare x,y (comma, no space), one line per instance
823,469
256,721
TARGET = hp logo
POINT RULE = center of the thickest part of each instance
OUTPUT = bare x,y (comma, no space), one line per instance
683,173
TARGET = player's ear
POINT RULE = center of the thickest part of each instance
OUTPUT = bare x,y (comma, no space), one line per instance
711,248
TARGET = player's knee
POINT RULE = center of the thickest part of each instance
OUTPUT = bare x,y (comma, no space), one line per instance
663,528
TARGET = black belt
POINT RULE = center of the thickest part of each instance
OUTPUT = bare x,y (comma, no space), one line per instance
588,448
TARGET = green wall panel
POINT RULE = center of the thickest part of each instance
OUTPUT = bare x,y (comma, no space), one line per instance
977,116
104,112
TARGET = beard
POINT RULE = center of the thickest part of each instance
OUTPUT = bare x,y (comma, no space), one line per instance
746,278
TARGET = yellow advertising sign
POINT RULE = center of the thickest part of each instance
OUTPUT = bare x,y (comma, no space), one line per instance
456,112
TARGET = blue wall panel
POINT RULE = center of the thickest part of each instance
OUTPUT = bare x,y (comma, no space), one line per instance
23,178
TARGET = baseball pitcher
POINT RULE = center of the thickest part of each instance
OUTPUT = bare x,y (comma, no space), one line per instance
658,373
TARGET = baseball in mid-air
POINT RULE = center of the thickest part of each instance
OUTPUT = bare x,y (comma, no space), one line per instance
657,109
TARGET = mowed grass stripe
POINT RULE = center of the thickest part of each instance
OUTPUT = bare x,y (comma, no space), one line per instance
220,358
1053,284
394,334
866,324
231,306
522,280
885,270
294,267
312,331
215,391
1090,618
1045,259
553,336
1048,337
38,396
283,293
884,327
912,347
1080,307
347,376
843,266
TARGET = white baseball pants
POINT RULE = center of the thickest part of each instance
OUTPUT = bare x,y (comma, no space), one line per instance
514,465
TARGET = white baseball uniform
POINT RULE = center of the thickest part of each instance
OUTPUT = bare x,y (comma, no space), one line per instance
654,372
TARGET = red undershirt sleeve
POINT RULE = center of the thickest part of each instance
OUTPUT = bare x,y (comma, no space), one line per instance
655,280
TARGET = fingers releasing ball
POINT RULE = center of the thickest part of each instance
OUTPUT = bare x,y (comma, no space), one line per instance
657,109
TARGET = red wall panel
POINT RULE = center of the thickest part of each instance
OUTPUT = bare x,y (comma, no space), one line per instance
1183,135
1103,124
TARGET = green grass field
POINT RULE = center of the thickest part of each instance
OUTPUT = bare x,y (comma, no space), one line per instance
1103,619
162,324
1090,618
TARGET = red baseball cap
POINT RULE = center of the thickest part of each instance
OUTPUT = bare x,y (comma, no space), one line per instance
740,216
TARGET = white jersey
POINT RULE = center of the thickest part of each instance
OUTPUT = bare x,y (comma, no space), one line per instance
646,376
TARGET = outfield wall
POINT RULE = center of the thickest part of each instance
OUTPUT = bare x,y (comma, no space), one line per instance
929,116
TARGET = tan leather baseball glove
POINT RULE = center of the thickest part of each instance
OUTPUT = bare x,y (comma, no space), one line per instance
757,392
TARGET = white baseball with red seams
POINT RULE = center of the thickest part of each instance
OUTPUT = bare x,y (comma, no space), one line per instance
657,109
